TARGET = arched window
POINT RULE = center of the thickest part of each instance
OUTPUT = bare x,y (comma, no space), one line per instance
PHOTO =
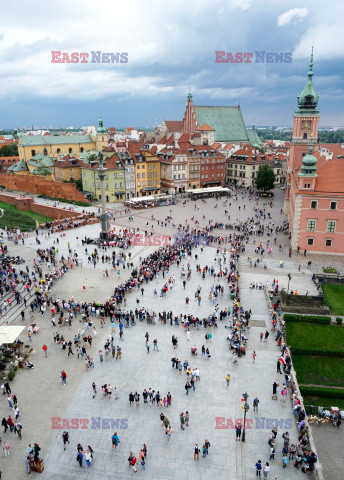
70,150
33,153
58,150
305,135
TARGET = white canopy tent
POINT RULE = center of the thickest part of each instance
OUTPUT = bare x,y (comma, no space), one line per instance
10,334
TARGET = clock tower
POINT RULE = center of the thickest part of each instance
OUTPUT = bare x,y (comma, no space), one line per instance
306,121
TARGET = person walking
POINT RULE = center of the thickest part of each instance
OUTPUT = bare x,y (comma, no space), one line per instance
238,431
255,404
254,357
187,418
258,468
147,347
7,448
94,390
266,469
196,452
115,441
228,379
182,421
18,429
64,377
207,446
169,432
4,424
65,438
155,345
45,349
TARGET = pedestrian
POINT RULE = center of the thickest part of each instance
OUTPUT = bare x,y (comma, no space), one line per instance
148,347
64,377
169,432
115,441
228,379
27,464
182,421
272,452
258,468
266,469
274,387
155,345
94,389
4,424
65,438
45,348
88,458
18,429
187,418
279,366
255,404
285,461
6,448
207,446
196,452
254,356
238,432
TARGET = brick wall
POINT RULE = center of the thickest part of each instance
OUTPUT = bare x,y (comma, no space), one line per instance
27,203
40,185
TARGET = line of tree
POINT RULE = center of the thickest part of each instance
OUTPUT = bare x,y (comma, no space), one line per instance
9,150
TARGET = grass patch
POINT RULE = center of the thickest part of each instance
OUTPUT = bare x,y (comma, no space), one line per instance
334,297
318,371
63,200
326,402
329,270
311,336
25,220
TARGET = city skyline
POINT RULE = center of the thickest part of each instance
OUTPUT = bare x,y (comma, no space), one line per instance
169,52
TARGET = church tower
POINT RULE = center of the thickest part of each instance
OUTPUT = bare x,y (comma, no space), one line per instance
102,136
189,121
306,121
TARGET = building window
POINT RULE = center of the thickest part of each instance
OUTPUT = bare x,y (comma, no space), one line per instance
81,149
138,175
307,185
33,153
314,204
328,242
311,225
310,241
331,226
305,136
333,206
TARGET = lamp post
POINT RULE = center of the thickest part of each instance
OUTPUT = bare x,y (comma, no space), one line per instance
104,219
246,409
289,278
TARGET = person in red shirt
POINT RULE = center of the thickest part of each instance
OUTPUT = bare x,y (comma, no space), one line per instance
45,348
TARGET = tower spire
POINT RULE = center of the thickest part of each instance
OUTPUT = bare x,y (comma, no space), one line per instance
310,71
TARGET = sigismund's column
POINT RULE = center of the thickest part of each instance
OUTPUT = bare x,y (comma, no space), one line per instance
104,219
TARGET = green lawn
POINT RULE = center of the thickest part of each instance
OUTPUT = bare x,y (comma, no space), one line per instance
306,335
319,370
12,217
327,402
334,297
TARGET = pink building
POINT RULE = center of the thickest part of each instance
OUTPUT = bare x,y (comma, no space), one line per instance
315,182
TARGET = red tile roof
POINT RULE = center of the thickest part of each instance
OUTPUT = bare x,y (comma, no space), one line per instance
206,128
174,125
69,162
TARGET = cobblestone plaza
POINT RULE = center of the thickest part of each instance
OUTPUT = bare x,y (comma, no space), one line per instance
43,399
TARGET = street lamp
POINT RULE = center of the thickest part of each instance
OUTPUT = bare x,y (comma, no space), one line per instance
104,219
246,409
289,278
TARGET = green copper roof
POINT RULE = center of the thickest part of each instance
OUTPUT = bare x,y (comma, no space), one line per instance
33,140
309,97
19,167
101,128
309,162
254,137
226,121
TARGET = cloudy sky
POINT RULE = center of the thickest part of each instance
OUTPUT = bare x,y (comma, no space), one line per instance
171,47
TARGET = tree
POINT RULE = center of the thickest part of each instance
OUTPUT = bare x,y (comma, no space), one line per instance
9,150
265,178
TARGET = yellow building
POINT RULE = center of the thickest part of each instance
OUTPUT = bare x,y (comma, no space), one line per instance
68,168
147,170
53,145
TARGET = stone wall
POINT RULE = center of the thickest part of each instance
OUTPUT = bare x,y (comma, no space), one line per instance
41,186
